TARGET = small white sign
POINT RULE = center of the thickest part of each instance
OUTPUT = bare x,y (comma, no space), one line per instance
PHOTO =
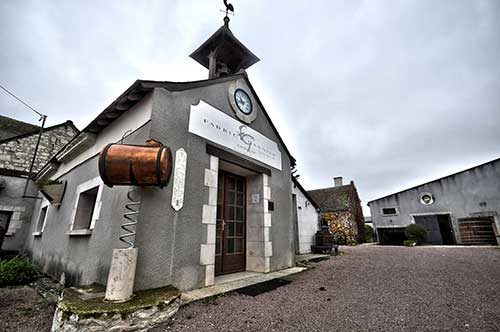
179,179
216,126
255,198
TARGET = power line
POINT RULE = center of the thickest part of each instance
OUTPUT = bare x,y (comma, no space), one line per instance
22,102
42,118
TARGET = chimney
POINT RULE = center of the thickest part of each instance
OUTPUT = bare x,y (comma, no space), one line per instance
338,181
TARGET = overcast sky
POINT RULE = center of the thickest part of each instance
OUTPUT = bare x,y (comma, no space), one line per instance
389,94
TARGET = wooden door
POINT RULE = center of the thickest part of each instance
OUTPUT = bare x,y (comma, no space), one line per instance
230,242
478,230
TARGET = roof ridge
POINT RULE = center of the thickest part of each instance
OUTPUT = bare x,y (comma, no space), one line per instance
334,187
435,180
305,192
186,85
224,78
35,132
23,122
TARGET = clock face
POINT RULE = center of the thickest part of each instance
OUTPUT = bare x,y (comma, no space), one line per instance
243,101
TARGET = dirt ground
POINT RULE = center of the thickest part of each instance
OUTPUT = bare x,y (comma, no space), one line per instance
23,309
370,288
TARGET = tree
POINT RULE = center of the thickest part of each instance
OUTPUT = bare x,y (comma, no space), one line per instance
368,233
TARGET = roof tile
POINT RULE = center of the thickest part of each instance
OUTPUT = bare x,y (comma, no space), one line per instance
334,198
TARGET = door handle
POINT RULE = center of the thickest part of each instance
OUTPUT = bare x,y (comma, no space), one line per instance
223,224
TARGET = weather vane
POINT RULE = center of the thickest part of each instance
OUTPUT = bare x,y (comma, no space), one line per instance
229,10
229,7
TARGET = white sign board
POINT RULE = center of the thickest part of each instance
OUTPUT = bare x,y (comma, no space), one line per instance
255,198
179,179
216,126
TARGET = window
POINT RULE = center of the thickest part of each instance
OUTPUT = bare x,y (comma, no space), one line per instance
87,207
389,211
5,217
426,198
42,218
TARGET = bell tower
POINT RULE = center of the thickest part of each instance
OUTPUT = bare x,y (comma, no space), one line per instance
223,54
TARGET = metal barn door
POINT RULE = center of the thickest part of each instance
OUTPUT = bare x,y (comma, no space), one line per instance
431,225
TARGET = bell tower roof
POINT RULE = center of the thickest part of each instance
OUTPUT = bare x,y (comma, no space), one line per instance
223,54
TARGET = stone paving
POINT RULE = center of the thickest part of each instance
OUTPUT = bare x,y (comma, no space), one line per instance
224,287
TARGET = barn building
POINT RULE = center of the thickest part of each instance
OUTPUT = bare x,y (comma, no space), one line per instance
462,208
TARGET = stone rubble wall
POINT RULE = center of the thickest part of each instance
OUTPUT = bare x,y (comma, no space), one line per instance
17,154
342,223
140,320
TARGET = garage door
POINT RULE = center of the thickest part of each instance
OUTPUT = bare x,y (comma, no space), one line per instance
438,227
431,225
391,236
477,231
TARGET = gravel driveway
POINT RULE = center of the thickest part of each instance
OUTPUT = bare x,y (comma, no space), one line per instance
23,309
370,288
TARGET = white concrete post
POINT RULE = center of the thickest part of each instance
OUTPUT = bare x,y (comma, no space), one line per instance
121,275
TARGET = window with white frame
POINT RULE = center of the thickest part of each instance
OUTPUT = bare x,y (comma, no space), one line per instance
87,205
390,211
42,218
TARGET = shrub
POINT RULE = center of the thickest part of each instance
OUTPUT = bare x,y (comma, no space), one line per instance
416,233
352,242
409,243
16,271
368,233
339,238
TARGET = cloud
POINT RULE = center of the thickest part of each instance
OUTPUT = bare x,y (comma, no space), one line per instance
388,94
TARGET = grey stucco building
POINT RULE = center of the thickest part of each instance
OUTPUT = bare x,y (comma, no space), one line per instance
232,210
306,218
462,208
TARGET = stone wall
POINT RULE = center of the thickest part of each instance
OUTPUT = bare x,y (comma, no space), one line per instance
17,153
349,223
84,310
357,214
341,223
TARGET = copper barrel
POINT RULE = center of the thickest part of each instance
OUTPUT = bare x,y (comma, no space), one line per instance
135,165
